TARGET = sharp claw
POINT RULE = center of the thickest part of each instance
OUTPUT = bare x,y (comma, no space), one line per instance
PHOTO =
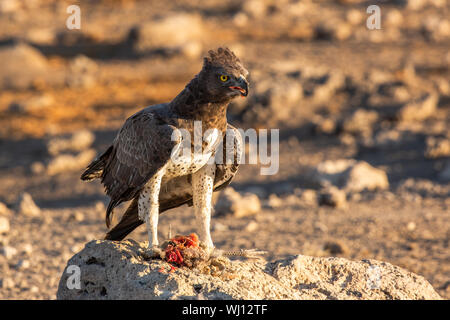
152,253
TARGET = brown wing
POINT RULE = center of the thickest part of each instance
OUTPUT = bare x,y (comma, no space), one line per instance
142,147
178,191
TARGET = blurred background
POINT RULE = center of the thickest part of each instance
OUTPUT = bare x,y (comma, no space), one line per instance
364,119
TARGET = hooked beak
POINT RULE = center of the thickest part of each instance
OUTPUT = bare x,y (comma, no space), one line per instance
242,87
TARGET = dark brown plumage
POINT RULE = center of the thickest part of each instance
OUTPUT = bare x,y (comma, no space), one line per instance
144,144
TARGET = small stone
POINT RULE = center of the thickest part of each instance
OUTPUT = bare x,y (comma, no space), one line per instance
419,109
8,252
355,16
274,201
394,18
7,283
333,197
360,122
335,247
252,226
77,216
4,225
437,147
231,202
309,197
220,227
9,6
26,206
4,210
255,8
23,264
78,141
67,162
27,248
411,226
100,206
37,167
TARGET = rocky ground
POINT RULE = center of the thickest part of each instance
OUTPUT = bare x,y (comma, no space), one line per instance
364,118
112,270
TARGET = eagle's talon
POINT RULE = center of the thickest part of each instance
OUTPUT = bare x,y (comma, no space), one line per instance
152,253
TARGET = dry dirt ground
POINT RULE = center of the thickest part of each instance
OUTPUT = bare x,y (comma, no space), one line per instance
334,88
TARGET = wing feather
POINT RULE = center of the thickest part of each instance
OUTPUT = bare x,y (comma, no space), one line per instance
142,147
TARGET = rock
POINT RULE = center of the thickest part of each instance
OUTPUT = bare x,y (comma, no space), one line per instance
328,86
394,18
34,104
41,36
83,72
333,197
309,197
335,247
389,139
78,141
37,167
416,4
231,202
252,226
255,8
437,147
4,210
419,109
355,16
273,102
275,201
4,225
361,122
67,162
9,6
116,270
23,264
8,252
170,32
7,283
26,206
350,175
21,66
27,249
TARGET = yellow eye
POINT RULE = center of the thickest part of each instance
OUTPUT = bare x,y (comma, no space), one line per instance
223,78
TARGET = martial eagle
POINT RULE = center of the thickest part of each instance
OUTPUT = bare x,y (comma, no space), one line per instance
140,164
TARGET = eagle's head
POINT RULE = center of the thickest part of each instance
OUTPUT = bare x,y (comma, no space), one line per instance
223,76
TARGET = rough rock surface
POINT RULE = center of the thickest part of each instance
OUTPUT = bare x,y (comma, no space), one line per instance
116,270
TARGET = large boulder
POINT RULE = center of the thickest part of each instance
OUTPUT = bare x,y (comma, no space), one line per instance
117,270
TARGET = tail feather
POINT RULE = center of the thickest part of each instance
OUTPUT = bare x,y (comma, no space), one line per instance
128,223
95,169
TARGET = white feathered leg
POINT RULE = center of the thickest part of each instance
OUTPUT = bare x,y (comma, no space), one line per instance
148,209
202,186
